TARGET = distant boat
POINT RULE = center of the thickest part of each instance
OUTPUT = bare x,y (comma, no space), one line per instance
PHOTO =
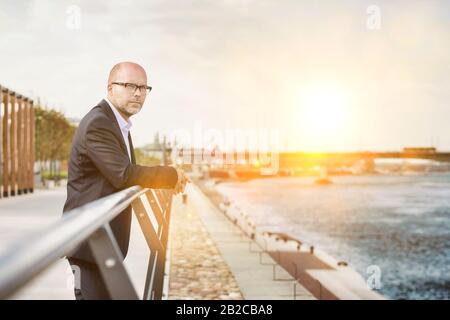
323,177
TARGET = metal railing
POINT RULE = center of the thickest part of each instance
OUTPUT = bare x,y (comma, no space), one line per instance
90,223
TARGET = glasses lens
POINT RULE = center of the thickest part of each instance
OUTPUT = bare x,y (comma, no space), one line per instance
131,87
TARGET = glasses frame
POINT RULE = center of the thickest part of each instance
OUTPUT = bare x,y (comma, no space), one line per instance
127,85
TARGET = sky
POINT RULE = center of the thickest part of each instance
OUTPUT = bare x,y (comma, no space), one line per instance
320,75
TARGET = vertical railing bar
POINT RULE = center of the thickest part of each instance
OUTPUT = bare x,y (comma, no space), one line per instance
5,143
159,285
1,143
162,199
149,280
158,278
32,132
162,234
25,145
146,225
19,146
150,274
160,194
109,258
153,193
13,144
155,208
153,243
158,200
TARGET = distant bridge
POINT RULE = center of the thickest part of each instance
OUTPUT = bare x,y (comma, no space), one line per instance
294,159
306,159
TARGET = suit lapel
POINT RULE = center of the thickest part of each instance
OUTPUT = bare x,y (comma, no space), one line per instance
133,158
107,109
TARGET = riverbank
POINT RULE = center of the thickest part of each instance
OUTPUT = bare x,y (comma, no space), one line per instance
318,272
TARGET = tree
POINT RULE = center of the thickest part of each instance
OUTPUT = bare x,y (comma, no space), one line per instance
54,135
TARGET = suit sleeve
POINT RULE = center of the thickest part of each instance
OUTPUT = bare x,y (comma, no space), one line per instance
103,149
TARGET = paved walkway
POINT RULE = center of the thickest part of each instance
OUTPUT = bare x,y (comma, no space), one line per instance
198,235
21,215
197,270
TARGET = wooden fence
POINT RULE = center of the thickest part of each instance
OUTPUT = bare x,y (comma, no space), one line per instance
16,143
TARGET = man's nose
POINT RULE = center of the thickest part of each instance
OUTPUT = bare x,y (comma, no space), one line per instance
137,92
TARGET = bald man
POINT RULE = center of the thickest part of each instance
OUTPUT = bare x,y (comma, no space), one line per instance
102,162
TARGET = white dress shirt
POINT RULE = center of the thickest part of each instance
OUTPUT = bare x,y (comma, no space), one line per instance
124,126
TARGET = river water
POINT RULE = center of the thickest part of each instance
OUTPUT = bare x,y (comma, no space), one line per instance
400,224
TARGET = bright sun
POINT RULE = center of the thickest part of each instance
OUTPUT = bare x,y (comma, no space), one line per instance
324,109
324,113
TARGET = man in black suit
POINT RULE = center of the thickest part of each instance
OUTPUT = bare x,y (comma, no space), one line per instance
102,162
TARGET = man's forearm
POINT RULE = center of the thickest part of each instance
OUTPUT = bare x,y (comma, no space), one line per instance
157,177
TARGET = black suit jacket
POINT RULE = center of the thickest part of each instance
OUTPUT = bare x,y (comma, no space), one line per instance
99,165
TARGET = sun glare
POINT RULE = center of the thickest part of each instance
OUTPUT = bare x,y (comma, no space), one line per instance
323,114
324,109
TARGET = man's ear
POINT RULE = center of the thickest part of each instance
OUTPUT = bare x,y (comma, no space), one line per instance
109,89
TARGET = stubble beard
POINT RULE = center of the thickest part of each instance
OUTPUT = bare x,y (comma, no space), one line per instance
131,108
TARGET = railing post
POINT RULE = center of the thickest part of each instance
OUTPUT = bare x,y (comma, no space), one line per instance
160,204
19,145
107,254
5,143
26,153
157,248
1,144
31,165
152,266
13,144
164,236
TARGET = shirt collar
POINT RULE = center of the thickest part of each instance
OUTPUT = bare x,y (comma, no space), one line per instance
123,124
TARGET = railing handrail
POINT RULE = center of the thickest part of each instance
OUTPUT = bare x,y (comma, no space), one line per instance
29,256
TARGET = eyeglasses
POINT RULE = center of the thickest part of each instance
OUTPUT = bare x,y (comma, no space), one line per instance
133,87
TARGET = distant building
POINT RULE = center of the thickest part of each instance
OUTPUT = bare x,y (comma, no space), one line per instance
419,150
157,149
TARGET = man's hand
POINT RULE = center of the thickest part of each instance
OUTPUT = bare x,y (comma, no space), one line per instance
182,180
